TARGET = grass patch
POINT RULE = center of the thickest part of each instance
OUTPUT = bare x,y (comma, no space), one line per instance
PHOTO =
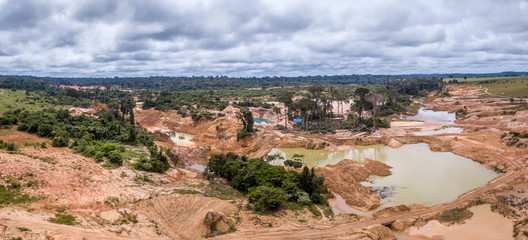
5,132
49,160
185,191
143,178
129,155
23,229
294,206
132,218
520,107
514,86
64,219
12,195
314,210
110,166
112,202
221,191
32,101
328,213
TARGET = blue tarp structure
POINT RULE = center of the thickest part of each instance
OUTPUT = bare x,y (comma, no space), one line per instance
297,120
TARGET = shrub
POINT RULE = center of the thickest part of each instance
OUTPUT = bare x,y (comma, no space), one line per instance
243,134
64,219
99,156
115,158
267,198
59,142
303,198
9,146
107,148
318,198
44,130
292,163
158,161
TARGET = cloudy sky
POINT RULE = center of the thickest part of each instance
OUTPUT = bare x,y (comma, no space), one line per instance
261,38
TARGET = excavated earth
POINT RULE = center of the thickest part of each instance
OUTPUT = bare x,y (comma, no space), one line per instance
177,205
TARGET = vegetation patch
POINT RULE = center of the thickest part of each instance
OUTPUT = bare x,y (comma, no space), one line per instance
185,191
23,229
510,86
268,186
455,215
64,219
314,210
515,139
221,191
12,194
9,146
143,178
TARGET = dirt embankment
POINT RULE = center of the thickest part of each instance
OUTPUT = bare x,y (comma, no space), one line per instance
106,203
220,135
353,173
183,216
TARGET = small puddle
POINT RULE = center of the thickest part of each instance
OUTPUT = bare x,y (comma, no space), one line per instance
440,131
198,167
110,215
182,139
430,116
260,121
419,175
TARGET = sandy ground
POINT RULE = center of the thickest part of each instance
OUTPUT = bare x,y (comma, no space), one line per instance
484,225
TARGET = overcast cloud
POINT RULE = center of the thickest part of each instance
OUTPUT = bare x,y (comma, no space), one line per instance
261,38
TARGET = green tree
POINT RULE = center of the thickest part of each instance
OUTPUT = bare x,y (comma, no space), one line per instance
59,142
267,198
115,157
286,97
247,121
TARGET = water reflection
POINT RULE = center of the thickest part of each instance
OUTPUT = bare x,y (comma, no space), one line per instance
419,175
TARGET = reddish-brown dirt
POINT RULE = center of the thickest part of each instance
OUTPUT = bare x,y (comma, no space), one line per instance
352,173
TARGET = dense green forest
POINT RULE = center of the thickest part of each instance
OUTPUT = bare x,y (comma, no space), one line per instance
215,82
99,138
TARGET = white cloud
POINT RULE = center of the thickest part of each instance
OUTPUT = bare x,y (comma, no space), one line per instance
243,38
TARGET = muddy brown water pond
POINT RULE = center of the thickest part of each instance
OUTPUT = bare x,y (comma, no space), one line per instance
419,175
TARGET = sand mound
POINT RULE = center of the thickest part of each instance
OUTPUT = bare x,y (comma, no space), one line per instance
344,179
183,216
